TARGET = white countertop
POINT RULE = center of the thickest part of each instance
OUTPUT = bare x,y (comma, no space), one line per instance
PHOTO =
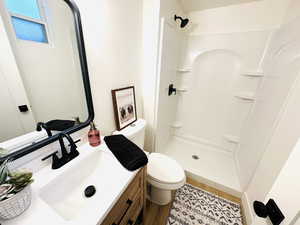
41,213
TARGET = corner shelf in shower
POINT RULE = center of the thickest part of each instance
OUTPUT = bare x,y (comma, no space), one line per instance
253,73
232,138
248,96
182,89
184,70
176,125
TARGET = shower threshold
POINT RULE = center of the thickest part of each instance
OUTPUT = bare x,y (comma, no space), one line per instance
206,165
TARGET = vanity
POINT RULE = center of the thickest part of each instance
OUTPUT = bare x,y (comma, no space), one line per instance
58,195
130,204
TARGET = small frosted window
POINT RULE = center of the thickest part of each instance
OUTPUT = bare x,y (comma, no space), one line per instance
27,8
30,31
27,21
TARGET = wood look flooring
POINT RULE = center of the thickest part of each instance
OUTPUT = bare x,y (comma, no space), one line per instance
158,215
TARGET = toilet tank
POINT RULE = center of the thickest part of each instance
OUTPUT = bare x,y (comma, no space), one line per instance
135,132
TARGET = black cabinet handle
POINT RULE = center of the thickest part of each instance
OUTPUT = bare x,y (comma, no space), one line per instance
129,202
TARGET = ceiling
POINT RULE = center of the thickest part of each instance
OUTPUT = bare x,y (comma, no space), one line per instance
196,5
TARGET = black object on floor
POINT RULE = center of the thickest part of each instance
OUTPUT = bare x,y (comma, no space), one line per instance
270,209
128,153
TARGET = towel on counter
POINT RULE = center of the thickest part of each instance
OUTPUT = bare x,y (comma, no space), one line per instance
128,153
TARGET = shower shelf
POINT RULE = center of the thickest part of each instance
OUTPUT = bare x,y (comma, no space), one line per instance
177,125
232,138
182,89
253,73
248,96
184,70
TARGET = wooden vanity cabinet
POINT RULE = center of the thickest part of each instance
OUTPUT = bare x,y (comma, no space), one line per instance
130,204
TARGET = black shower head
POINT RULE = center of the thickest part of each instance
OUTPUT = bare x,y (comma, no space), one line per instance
184,22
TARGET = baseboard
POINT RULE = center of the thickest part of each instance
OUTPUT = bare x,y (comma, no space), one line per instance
247,209
213,184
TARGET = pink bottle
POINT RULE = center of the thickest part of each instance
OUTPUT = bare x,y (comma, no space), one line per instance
94,135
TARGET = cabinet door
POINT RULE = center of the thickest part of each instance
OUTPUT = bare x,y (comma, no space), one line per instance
130,201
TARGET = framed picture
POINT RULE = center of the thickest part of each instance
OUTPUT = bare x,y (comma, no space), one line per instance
124,106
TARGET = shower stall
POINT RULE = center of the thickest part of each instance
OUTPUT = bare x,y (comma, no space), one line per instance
230,91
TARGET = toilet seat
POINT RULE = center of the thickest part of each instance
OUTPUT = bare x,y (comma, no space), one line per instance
164,172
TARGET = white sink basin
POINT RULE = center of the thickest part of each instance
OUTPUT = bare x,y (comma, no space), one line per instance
65,192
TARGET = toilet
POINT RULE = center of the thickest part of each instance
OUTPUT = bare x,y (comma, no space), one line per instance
163,173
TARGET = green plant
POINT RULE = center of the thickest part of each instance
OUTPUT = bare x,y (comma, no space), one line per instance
20,180
17,180
4,172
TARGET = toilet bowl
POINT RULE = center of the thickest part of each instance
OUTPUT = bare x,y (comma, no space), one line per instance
163,173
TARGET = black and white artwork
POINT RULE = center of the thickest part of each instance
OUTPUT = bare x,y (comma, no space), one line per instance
124,106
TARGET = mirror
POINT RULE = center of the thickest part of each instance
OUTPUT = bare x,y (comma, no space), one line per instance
43,73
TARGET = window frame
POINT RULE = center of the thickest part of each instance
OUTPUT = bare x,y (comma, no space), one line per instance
42,21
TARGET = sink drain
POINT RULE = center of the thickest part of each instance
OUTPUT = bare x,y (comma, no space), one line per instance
90,191
195,157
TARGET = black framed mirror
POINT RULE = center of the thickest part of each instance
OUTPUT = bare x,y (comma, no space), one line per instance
48,32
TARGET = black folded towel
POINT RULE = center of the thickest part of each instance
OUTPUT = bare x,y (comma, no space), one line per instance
128,153
60,125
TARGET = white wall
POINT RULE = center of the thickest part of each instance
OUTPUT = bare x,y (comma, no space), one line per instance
153,11
274,160
285,190
272,130
151,21
171,42
113,38
252,16
196,5
281,68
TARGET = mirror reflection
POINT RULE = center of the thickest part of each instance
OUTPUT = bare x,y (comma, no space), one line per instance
40,73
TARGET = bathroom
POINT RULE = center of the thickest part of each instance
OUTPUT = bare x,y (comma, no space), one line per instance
230,121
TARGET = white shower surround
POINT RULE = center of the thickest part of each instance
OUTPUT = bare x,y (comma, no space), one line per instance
222,71
205,111
238,167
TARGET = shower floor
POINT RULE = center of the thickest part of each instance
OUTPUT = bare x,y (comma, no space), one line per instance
214,168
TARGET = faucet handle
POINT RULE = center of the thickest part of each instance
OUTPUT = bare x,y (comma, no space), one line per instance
48,156
78,140
56,162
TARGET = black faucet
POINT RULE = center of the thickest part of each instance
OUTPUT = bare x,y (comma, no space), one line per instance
41,125
65,155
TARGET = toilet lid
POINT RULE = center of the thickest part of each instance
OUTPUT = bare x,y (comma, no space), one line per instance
164,169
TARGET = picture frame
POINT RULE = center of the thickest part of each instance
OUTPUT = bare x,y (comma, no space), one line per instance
124,104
